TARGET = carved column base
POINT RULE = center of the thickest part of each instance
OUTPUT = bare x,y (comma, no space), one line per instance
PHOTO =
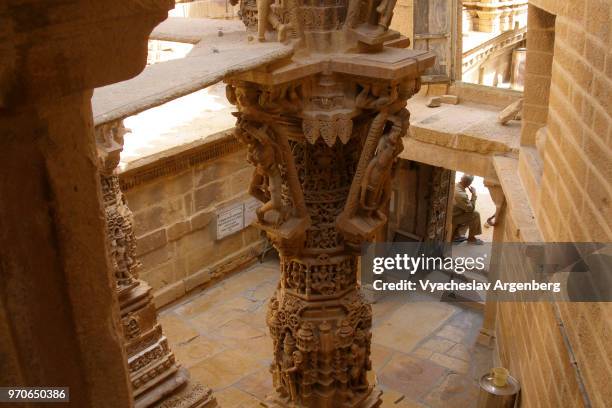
370,399
193,395
157,379
321,341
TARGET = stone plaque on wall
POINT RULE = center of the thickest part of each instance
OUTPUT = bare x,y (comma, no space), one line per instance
230,220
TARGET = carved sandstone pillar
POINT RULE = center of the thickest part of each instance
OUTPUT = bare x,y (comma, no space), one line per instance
155,376
323,131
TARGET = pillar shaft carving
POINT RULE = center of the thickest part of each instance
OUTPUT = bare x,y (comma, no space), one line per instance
157,379
323,148
323,131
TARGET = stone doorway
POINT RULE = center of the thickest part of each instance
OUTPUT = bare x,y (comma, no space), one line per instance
421,209
419,205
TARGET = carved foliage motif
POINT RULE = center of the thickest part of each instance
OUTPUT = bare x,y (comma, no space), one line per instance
325,175
322,277
119,228
120,232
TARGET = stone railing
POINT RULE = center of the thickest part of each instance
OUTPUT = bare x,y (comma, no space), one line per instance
492,16
477,55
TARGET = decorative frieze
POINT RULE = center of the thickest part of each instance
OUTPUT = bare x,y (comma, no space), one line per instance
496,16
215,147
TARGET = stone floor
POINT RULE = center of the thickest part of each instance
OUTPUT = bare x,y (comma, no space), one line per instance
423,351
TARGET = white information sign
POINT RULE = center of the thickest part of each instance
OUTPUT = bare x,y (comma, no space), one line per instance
230,220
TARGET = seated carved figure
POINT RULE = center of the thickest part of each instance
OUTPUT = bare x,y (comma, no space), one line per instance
265,17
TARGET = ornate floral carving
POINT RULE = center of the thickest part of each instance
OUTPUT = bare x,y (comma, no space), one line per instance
436,227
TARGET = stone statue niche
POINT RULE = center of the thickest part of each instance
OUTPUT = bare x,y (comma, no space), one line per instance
323,129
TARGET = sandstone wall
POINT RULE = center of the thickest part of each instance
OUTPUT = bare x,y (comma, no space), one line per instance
403,19
566,173
205,9
175,199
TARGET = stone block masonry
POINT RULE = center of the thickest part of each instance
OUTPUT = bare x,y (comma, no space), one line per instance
175,199
561,352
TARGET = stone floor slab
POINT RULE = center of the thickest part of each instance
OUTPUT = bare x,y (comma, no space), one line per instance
233,397
176,329
221,335
453,364
455,391
225,368
411,324
411,376
197,349
258,384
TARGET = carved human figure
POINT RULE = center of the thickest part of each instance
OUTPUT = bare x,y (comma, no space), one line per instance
290,364
266,17
360,362
281,100
109,142
266,182
376,96
374,186
385,14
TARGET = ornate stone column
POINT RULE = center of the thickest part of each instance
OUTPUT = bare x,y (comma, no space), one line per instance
323,131
156,377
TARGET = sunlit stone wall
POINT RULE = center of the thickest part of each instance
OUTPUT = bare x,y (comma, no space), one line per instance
175,198
560,352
